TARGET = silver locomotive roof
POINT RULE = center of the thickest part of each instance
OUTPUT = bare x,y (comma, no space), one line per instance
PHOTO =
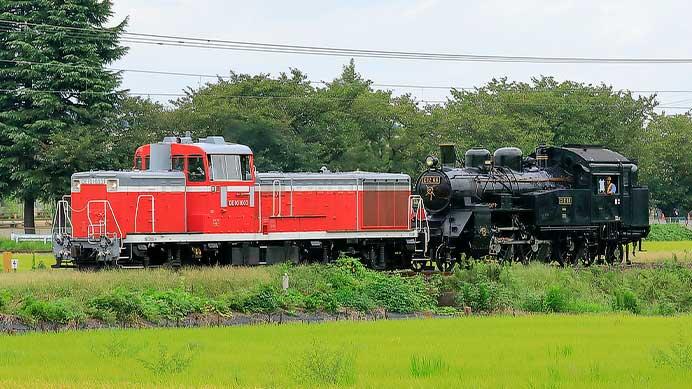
211,145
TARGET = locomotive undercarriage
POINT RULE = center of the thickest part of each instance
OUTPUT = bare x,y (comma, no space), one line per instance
514,241
378,254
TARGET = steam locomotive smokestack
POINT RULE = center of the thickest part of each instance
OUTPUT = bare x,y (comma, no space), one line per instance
448,155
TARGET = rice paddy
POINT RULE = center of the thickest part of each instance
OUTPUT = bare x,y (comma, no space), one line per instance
566,351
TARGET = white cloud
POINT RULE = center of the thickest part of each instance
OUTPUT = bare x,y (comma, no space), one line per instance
590,28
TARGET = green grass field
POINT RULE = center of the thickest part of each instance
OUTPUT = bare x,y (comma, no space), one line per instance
661,250
27,259
543,351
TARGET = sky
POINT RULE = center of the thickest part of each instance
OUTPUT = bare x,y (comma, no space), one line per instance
549,28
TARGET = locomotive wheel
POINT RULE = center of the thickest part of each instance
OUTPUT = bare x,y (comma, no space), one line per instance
614,252
444,265
524,255
587,257
417,265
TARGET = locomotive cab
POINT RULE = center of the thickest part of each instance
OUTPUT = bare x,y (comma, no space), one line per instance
215,173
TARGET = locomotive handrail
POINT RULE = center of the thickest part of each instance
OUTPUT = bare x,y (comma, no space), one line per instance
139,198
103,226
278,183
275,184
62,218
420,219
358,182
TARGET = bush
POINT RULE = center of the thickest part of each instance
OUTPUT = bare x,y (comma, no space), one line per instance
264,299
60,311
626,300
483,296
174,304
124,306
4,299
398,294
556,299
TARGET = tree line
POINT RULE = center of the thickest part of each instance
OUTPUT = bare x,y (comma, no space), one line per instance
62,110
347,124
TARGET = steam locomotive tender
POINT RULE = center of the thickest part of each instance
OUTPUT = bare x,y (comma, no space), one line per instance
553,205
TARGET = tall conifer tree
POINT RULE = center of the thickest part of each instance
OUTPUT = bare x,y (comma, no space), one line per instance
56,96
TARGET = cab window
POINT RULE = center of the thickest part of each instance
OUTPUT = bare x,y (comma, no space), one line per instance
601,184
146,163
138,163
230,167
178,163
195,169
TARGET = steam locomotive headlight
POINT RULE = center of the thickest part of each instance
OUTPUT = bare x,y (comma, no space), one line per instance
430,161
111,185
75,186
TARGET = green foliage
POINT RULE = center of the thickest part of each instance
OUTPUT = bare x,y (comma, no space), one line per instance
422,366
557,299
669,232
264,299
479,287
667,160
56,113
398,294
60,311
5,298
10,245
626,300
129,306
163,296
125,306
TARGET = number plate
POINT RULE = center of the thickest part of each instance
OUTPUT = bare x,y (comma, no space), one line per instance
567,200
430,180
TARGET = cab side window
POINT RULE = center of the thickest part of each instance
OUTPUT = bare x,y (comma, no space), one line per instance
178,163
138,163
195,169
230,167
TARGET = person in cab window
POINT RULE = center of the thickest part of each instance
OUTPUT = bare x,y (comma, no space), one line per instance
611,189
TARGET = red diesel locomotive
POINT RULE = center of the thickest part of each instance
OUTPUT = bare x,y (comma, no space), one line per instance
203,203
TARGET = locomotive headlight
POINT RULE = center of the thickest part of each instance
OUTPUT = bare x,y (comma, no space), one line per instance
75,186
111,185
430,161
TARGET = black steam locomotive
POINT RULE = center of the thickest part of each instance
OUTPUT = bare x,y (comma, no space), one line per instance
575,204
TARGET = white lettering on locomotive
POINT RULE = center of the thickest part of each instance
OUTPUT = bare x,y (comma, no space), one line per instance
92,181
430,180
238,203
566,200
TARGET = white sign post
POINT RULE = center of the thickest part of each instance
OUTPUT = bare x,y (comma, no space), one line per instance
284,282
15,264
